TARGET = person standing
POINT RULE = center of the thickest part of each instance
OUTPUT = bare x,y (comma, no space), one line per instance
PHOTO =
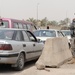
72,29
47,27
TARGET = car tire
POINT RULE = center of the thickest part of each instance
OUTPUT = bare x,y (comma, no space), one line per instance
20,62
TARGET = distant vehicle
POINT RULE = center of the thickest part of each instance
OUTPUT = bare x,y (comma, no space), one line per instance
18,46
66,32
43,34
13,23
68,35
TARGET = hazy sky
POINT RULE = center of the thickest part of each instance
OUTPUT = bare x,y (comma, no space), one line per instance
24,9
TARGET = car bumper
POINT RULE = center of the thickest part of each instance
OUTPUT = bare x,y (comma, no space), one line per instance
8,58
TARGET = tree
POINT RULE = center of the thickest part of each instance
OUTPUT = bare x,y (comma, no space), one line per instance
66,21
62,22
44,22
49,22
54,23
34,21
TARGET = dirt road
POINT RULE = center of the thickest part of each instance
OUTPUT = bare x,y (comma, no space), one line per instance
30,69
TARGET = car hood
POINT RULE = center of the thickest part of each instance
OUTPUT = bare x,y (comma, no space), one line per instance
43,38
69,37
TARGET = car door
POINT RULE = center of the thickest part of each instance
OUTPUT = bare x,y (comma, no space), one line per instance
23,44
37,46
28,46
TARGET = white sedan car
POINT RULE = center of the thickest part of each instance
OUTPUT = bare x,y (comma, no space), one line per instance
18,46
43,34
68,35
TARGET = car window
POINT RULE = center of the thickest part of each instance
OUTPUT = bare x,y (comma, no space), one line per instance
24,26
6,34
45,33
67,32
31,36
4,24
25,36
19,36
36,33
29,26
60,34
15,25
20,25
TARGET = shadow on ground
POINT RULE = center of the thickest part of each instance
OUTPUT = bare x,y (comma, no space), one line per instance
7,69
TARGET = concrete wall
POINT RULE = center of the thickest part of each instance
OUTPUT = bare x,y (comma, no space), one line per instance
56,51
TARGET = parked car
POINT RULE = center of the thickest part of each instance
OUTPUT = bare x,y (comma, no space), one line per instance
43,34
18,46
15,23
68,35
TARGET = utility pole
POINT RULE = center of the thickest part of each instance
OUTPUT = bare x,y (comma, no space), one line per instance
0,8
67,18
37,13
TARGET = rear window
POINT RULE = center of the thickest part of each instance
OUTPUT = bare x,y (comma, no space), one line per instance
67,32
45,33
6,34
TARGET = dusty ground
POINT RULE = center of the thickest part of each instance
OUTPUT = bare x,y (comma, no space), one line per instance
66,69
30,69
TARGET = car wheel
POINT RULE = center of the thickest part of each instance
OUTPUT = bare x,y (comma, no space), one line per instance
20,62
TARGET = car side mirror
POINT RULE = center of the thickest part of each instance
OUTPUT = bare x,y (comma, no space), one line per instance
38,40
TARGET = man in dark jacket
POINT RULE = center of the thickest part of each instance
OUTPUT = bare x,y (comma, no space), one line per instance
72,28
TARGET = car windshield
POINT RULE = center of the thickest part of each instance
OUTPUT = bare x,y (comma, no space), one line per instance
6,34
67,32
45,33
